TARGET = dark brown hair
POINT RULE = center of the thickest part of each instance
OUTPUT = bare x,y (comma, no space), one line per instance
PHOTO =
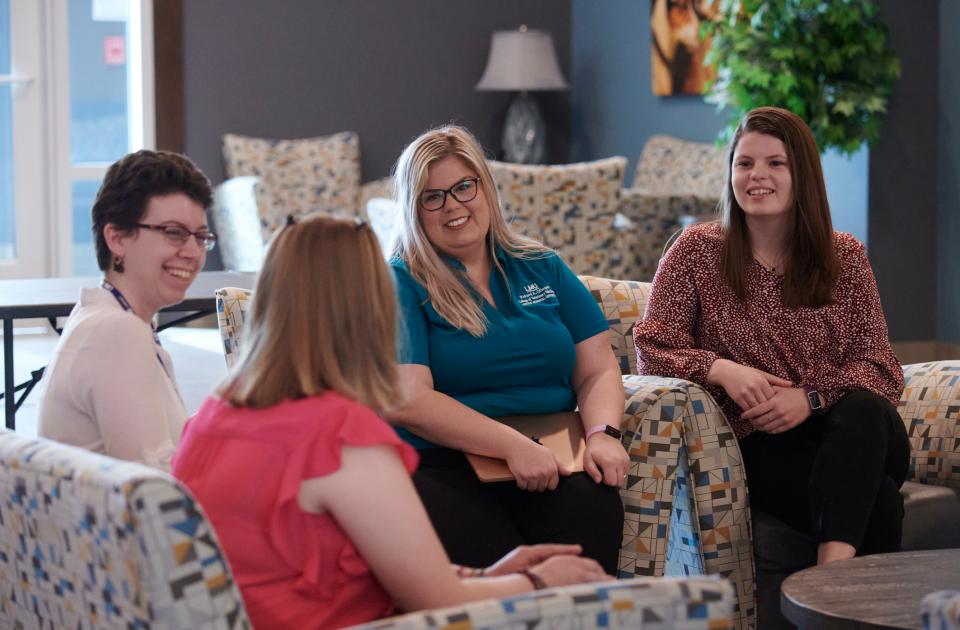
812,266
132,181
323,318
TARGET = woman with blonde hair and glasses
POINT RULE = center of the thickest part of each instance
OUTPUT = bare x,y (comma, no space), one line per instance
496,325
779,317
307,487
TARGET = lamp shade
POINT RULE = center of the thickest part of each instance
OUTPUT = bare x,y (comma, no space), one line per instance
522,60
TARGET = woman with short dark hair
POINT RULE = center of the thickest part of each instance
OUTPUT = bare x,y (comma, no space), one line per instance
110,386
778,316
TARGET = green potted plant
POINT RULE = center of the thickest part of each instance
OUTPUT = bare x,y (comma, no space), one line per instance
828,61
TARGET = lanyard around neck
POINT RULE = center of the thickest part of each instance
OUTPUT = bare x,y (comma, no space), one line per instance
153,329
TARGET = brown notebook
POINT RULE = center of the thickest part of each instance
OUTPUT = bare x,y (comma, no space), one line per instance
561,432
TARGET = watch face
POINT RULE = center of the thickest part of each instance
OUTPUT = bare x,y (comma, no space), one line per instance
814,400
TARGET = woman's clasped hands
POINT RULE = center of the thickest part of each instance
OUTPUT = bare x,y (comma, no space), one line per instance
556,565
770,403
535,466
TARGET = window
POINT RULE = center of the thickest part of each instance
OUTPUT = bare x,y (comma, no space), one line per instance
76,94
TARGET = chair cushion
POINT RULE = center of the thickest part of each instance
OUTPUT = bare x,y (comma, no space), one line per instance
236,220
383,214
571,207
670,166
298,177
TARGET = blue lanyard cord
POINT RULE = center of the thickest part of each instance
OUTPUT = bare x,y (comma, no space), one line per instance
153,329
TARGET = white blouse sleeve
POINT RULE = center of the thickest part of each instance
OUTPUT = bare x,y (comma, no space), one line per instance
121,381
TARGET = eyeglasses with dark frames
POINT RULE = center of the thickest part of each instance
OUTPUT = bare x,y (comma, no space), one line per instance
178,235
463,192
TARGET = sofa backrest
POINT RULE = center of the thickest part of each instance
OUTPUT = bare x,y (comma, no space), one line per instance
571,208
87,541
298,177
623,303
670,166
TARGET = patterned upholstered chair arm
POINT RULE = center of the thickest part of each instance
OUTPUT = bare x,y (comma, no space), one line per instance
941,611
87,541
930,408
690,603
232,306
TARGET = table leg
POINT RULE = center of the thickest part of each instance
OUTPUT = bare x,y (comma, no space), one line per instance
8,394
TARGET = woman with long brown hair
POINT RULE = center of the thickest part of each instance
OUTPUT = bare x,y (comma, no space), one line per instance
778,316
308,488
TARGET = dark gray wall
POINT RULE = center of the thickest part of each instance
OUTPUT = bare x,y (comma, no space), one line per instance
614,109
948,225
903,176
387,70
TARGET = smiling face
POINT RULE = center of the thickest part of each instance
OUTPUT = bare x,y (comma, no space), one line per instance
761,178
458,229
157,273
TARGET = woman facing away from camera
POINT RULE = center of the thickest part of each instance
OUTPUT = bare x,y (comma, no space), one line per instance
779,317
307,487
110,386
497,325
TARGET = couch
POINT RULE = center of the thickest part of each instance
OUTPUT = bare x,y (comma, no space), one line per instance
87,541
691,494
270,179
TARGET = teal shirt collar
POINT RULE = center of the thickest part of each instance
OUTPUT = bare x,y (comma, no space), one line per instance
456,264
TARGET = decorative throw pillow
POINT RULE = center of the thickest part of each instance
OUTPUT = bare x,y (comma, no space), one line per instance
298,177
670,166
569,207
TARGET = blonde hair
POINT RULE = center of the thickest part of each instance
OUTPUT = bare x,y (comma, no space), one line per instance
323,318
447,286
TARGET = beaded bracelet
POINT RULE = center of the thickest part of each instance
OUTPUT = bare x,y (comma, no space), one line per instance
536,580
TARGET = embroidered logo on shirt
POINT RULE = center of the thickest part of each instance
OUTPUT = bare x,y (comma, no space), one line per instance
535,294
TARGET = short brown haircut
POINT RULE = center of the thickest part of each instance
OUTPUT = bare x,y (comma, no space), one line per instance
323,318
812,265
132,181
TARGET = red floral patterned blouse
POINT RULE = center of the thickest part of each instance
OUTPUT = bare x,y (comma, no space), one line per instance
694,318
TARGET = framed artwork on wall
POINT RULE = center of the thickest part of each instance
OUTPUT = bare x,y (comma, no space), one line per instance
676,50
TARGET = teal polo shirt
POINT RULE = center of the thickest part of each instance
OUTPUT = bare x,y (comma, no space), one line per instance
524,362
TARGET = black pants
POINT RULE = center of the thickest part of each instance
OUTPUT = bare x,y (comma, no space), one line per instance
480,522
835,477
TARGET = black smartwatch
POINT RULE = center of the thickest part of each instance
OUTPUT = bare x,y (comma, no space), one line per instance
814,399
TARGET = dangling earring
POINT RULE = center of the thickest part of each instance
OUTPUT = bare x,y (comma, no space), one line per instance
118,264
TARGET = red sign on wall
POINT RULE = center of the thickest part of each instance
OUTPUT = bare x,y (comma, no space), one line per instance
114,50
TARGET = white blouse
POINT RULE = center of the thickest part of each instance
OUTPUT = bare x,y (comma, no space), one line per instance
106,389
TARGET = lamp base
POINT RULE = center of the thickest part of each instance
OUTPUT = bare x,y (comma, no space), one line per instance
524,132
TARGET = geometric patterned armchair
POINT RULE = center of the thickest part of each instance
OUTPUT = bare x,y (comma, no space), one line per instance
686,510
88,541
686,495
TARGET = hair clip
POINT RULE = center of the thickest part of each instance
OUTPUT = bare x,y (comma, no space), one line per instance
291,220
